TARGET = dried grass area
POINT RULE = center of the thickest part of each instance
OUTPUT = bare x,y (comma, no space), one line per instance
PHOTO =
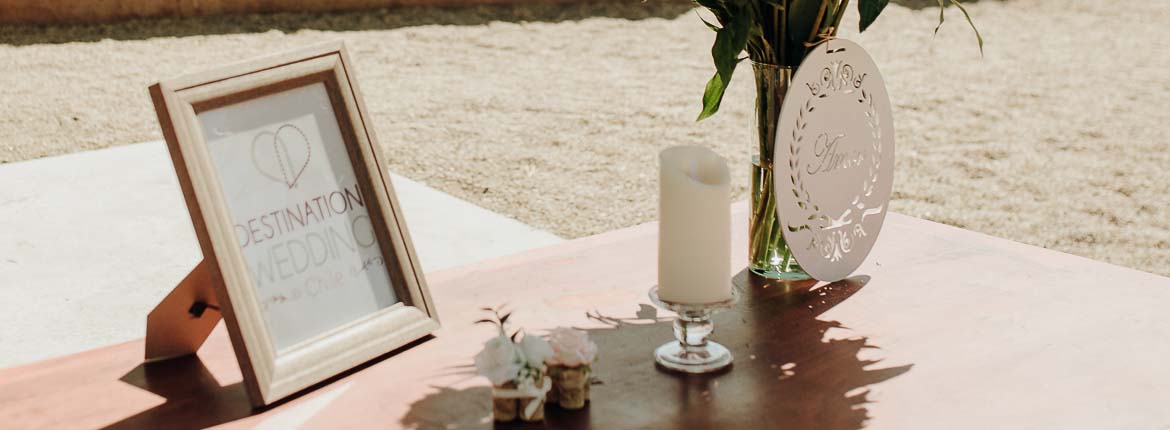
553,114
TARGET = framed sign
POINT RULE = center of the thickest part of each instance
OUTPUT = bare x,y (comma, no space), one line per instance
835,147
302,236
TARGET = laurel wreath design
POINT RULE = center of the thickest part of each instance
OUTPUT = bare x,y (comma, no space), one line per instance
875,129
834,243
796,177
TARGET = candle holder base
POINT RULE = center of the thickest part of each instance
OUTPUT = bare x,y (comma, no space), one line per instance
692,352
673,356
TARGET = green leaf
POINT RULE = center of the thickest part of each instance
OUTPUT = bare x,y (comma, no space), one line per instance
869,11
941,17
713,27
978,36
801,14
709,4
729,42
716,7
830,12
712,96
942,7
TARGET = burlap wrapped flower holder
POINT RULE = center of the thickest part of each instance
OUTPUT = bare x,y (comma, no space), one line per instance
570,386
525,401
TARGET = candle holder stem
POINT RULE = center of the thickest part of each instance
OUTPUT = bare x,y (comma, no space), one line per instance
692,329
692,352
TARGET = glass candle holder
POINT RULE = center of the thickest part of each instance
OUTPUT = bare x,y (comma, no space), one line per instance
692,352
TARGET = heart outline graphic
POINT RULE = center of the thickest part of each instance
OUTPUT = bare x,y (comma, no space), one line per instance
290,174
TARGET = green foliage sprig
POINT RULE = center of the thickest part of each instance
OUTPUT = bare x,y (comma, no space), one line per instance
499,318
781,32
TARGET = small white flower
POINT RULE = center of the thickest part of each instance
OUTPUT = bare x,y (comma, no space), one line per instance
536,350
500,361
571,348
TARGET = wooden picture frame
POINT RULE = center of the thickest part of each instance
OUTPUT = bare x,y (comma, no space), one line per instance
271,373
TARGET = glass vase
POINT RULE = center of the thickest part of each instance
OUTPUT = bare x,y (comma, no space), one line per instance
768,253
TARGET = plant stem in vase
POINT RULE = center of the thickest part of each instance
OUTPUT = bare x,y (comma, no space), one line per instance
768,253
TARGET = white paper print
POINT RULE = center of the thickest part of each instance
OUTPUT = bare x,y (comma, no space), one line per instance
298,213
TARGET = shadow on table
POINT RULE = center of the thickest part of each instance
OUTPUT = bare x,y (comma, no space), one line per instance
207,403
383,19
786,373
451,409
196,400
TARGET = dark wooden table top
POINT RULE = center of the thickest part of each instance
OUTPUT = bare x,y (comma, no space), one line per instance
940,328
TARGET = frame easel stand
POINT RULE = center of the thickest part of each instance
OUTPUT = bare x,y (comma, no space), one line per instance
181,322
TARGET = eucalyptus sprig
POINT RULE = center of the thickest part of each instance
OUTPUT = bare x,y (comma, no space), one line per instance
499,318
781,32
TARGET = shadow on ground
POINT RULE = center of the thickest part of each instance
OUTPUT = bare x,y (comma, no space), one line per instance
383,19
786,374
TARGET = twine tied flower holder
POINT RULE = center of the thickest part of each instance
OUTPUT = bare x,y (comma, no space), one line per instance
515,365
524,401
570,367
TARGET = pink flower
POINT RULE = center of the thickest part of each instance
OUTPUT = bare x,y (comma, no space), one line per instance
571,348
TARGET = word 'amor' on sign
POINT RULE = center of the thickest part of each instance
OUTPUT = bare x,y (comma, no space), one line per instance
834,160
829,156
292,206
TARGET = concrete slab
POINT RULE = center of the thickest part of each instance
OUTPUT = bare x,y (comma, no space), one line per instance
90,242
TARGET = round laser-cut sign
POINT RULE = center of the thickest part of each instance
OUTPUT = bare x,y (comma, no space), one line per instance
834,159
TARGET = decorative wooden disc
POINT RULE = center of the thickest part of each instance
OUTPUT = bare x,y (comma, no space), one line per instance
834,160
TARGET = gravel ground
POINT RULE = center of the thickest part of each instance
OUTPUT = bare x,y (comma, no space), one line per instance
553,114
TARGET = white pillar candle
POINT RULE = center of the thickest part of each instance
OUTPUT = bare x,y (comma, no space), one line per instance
694,230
